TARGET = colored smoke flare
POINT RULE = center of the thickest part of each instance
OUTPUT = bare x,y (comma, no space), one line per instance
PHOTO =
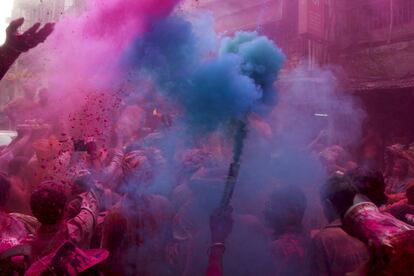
215,93
261,61
241,134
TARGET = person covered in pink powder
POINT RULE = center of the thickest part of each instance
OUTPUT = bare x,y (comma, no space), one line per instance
15,230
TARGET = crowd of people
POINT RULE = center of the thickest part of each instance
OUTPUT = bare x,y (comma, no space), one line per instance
74,205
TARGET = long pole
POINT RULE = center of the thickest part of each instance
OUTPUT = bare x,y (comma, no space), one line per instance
233,173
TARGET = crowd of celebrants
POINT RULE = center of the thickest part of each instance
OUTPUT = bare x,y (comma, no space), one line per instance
71,206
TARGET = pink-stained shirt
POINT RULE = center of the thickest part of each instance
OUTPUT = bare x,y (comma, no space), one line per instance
15,229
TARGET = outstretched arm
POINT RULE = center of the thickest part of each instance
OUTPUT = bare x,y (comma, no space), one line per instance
221,225
17,43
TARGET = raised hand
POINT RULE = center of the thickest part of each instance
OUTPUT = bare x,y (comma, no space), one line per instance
23,42
221,225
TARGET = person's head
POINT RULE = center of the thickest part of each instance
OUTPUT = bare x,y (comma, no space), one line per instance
29,89
16,166
137,167
285,208
333,155
43,96
401,168
337,196
409,193
4,190
46,148
369,183
370,151
48,204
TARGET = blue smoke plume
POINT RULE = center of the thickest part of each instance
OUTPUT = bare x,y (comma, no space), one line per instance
261,61
211,92
219,93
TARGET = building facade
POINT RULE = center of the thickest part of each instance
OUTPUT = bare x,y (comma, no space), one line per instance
371,41
374,43
365,36
38,11
298,26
